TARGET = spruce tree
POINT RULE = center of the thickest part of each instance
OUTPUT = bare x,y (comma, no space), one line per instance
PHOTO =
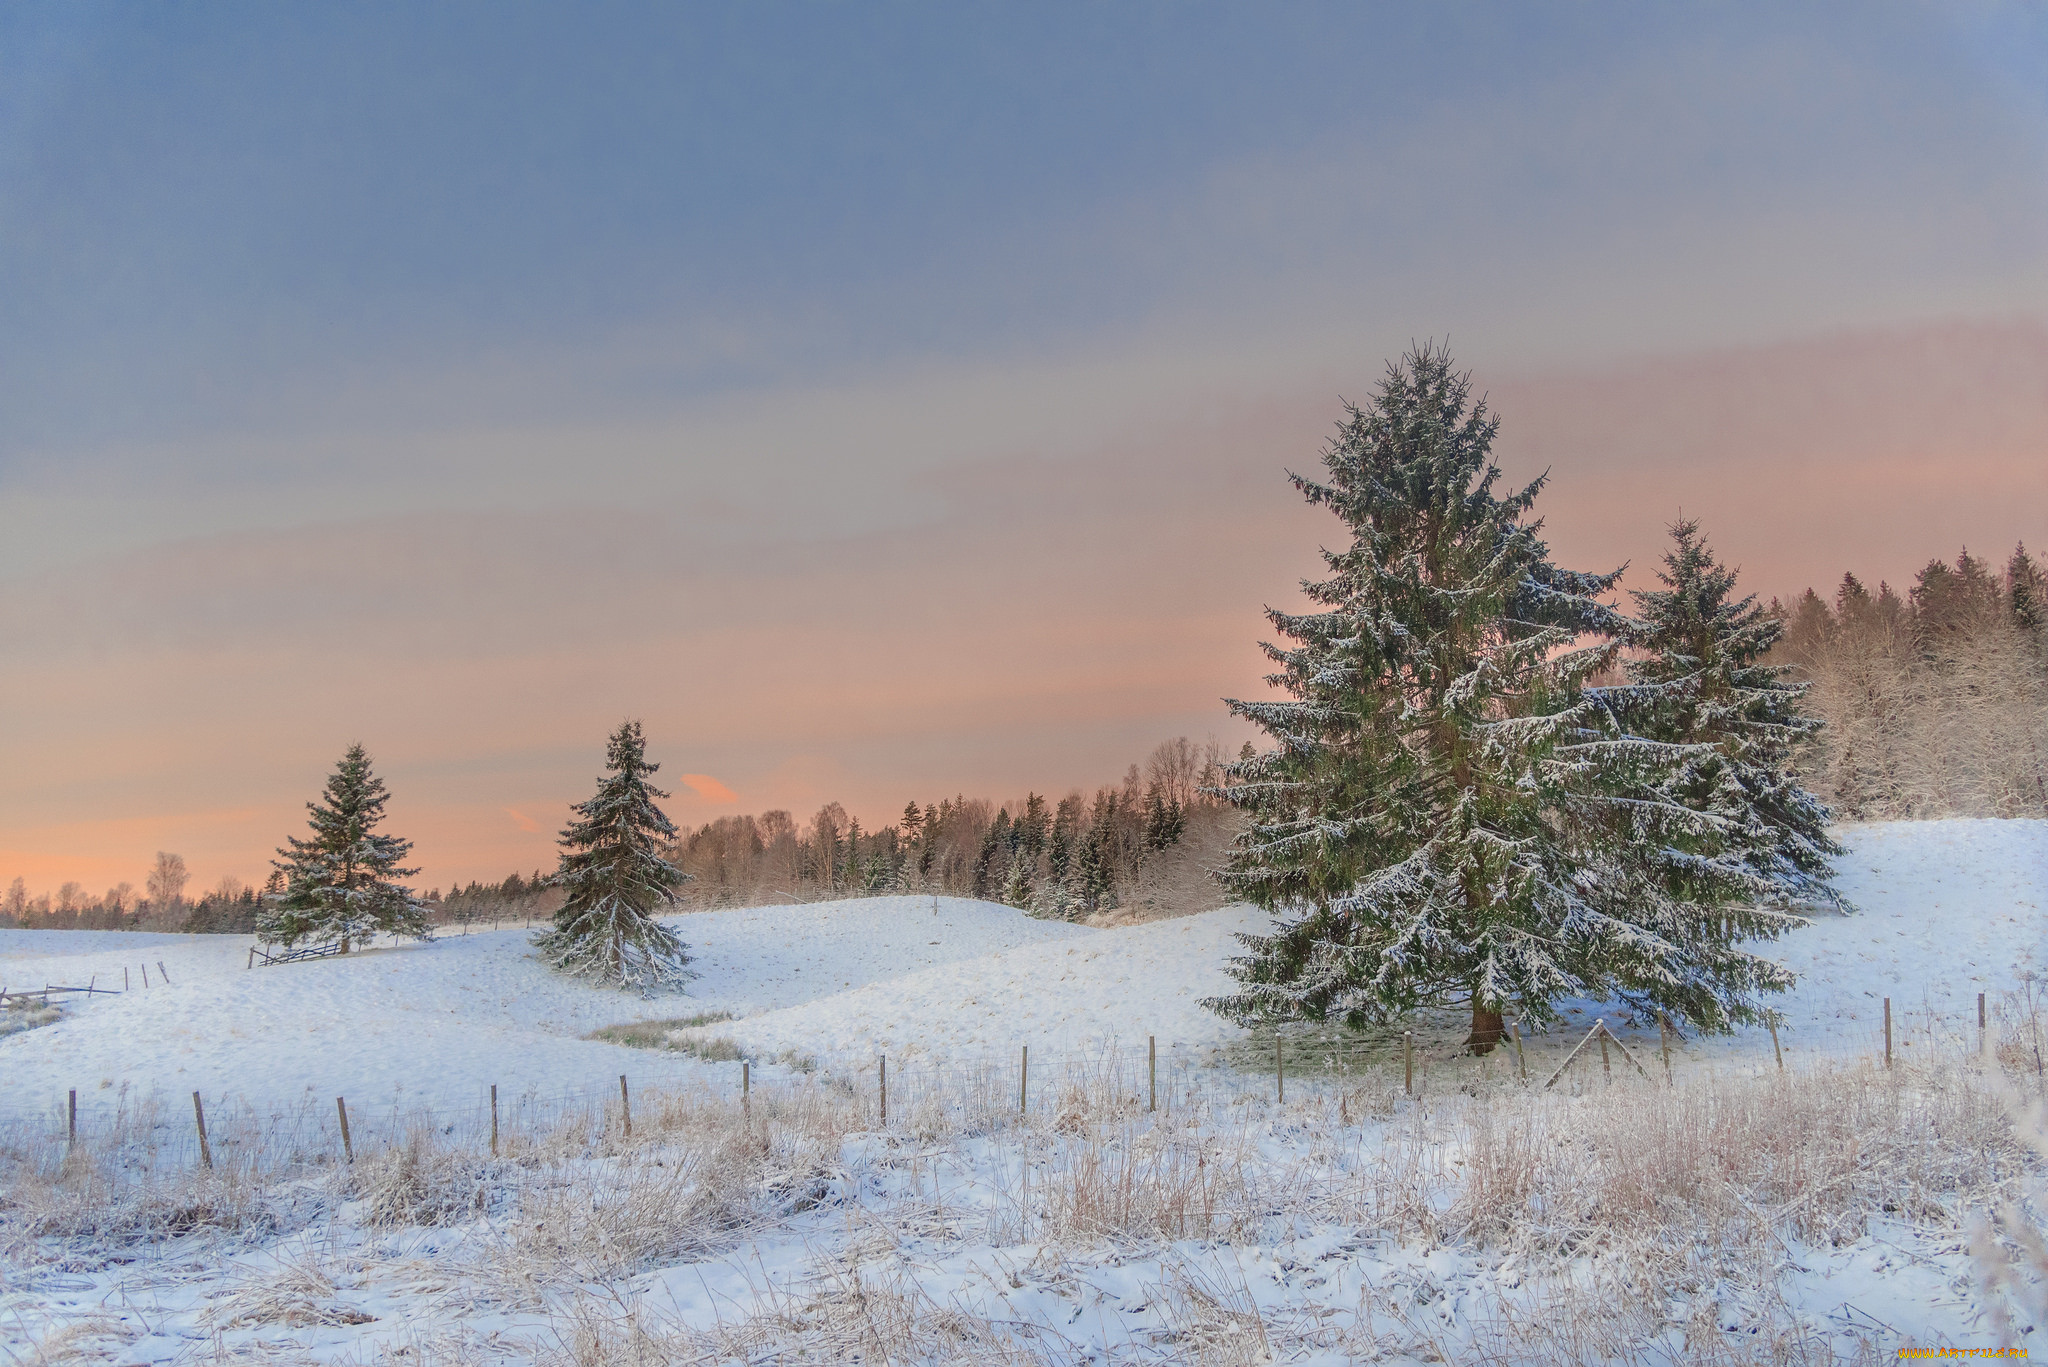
1448,815
342,886
1702,680
2023,590
617,880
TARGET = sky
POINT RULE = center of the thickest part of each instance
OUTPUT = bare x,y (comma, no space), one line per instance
887,402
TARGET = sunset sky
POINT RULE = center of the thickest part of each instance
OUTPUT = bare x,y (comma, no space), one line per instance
886,402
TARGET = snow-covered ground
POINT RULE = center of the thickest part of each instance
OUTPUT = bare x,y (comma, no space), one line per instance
438,1023
1945,910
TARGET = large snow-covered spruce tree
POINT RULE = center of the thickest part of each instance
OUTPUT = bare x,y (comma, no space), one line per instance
1700,678
343,884
617,880
1450,814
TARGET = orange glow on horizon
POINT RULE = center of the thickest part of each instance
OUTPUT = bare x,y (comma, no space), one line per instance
1056,617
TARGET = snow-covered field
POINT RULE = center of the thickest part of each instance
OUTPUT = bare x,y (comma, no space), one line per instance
940,1214
1947,909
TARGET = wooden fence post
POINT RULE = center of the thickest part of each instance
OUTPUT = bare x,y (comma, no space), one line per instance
1887,1032
1982,1035
252,959
1408,1062
124,976
1279,1069
746,1082
1599,1027
1606,1069
882,1088
71,1108
1521,1060
1152,1072
625,1106
145,975
199,1116
1772,1021
1664,1037
1024,1082
494,1120
348,1149
162,974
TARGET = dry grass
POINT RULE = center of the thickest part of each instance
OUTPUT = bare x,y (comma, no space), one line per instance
1635,1221
298,1294
656,1034
421,1182
15,1018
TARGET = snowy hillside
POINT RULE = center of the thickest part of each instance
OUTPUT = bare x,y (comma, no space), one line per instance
1344,1224
442,1021
1946,909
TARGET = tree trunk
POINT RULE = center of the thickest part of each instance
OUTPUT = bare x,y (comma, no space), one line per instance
344,944
1487,1029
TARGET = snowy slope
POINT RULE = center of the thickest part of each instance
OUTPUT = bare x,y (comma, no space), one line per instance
1946,909
1113,984
441,1022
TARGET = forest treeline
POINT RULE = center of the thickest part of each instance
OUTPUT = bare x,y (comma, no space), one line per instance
1127,846
1141,846
1935,701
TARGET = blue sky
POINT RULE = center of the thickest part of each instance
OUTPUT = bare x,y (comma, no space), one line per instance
240,216
484,334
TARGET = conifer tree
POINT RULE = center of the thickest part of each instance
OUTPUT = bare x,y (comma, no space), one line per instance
1448,816
1702,680
343,884
617,880
2023,590
1017,881
1165,822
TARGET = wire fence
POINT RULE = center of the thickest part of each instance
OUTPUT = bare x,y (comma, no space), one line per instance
973,1092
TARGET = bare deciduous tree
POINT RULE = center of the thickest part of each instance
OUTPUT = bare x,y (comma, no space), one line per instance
167,880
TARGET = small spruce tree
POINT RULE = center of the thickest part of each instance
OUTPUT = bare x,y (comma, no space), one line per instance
1448,815
342,885
617,880
1702,680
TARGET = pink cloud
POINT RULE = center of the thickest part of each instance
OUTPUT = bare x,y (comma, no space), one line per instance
709,788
